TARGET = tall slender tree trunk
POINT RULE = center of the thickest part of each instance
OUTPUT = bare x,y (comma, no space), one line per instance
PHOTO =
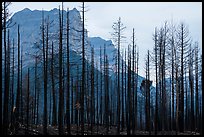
118,95
72,101
106,94
177,100
68,78
77,100
181,114
83,74
196,88
8,74
18,81
35,94
6,90
21,88
45,79
54,115
92,90
122,97
129,99
163,78
136,117
133,82
12,86
172,85
126,96
1,67
97,105
101,103
37,109
61,103
27,106
3,127
148,95
186,115
156,99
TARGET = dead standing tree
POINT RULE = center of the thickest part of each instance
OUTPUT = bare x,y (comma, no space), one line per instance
118,35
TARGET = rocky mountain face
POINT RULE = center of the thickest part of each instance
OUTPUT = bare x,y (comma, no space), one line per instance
30,23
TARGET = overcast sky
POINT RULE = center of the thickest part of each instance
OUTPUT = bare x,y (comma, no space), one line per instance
143,16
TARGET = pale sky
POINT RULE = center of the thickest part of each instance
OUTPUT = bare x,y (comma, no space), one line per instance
143,16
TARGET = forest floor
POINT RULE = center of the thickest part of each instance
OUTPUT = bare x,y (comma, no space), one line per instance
75,130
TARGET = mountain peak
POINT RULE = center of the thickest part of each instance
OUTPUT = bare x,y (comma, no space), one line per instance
75,12
74,9
26,10
55,9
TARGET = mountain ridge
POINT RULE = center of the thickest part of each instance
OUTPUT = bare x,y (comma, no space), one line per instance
31,42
